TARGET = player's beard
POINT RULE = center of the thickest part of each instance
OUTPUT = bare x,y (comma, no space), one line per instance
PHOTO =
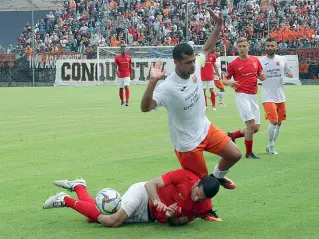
271,52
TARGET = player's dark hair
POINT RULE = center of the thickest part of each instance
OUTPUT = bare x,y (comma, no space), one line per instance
210,186
271,39
181,49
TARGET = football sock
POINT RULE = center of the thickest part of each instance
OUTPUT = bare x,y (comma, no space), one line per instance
85,208
213,98
237,134
277,132
121,94
127,94
218,173
83,194
220,97
249,146
271,134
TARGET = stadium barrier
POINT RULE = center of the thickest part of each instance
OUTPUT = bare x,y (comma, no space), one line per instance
97,72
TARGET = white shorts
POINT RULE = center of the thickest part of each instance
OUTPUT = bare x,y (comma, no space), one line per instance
208,84
248,107
122,82
135,203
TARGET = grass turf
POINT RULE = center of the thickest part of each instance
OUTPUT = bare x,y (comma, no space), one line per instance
67,132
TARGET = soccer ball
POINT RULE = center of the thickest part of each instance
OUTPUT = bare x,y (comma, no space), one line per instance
108,201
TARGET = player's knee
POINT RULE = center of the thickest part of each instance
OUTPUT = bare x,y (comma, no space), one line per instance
274,122
250,125
256,129
237,154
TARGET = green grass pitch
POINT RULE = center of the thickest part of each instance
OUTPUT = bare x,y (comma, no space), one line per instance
67,132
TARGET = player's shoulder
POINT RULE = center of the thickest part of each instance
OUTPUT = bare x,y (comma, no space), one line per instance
253,58
282,58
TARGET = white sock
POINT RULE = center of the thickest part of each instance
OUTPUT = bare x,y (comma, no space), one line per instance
220,97
219,174
271,134
277,132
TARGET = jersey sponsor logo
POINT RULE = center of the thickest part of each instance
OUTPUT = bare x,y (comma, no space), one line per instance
238,69
194,78
183,88
266,63
255,65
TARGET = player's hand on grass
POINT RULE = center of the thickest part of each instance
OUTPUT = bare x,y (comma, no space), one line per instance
159,205
290,74
171,210
157,71
262,76
216,17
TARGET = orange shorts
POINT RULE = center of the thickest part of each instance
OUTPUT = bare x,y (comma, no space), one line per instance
275,111
219,84
215,141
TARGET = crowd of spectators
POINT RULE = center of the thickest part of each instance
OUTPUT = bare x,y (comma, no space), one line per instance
83,25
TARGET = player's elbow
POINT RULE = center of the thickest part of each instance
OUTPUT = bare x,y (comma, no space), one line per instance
145,109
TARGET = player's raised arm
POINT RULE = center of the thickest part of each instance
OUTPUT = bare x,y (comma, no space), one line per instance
211,41
156,73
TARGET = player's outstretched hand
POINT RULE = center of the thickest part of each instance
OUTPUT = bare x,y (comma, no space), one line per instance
217,17
171,210
290,74
262,76
157,71
159,205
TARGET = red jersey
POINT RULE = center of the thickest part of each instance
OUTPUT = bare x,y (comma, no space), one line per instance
207,71
246,73
124,65
178,189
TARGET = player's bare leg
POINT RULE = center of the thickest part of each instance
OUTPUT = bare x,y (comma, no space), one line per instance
230,156
272,136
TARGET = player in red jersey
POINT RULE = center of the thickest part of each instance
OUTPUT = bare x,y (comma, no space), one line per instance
123,71
207,74
246,70
176,197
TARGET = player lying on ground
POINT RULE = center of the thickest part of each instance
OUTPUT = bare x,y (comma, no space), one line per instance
176,197
190,131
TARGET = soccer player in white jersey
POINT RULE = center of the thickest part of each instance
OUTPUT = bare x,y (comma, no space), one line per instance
217,80
182,95
273,95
